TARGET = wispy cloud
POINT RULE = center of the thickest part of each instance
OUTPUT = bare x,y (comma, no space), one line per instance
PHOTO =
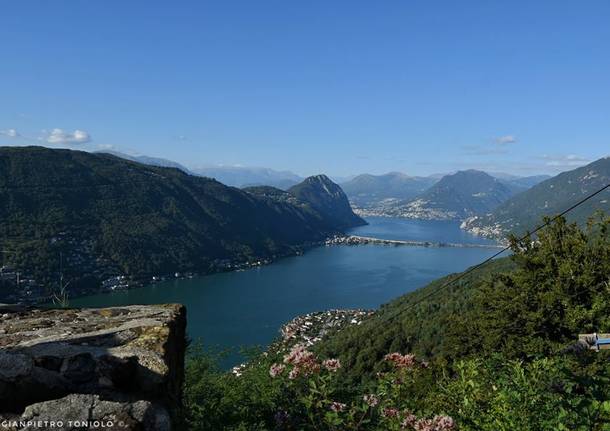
479,150
506,139
61,137
564,161
10,133
498,145
104,147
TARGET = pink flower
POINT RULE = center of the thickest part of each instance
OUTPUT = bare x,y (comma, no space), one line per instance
389,412
371,400
332,365
293,374
297,355
409,421
276,370
337,407
424,425
443,423
401,361
303,360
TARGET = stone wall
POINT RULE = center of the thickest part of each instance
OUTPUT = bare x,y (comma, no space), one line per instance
112,368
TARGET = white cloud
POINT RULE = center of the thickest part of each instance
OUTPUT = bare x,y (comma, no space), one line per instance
61,137
507,139
10,133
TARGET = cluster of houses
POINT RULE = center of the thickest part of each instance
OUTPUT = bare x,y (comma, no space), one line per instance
310,328
222,265
118,282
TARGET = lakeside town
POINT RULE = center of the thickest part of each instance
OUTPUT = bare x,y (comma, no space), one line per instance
311,328
393,207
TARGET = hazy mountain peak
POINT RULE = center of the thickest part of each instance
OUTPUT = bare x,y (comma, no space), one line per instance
147,160
368,191
470,172
244,176
397,174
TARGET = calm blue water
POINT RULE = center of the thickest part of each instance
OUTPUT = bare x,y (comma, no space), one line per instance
247,308
417,230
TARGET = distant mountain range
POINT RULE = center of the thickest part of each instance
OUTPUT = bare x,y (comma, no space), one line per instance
98,216
235,176
146,160
451,197
385,194
550,197
482,198
369,191
238,176
457,196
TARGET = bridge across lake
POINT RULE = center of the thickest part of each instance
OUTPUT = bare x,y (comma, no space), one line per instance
361,240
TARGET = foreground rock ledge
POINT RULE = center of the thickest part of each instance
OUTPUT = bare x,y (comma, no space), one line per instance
122,366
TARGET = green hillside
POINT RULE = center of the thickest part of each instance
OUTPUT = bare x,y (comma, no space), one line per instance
497,350
103,216
414,323
548,198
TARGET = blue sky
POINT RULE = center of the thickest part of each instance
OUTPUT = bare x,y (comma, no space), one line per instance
340,87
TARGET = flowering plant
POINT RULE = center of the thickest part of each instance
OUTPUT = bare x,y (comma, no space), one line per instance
311,382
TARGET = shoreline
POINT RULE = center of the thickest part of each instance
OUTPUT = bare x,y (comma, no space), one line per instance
123,282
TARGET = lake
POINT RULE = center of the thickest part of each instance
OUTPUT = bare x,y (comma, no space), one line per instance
247,308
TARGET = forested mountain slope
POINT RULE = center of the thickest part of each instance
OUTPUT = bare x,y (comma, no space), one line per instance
104,216
550,197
